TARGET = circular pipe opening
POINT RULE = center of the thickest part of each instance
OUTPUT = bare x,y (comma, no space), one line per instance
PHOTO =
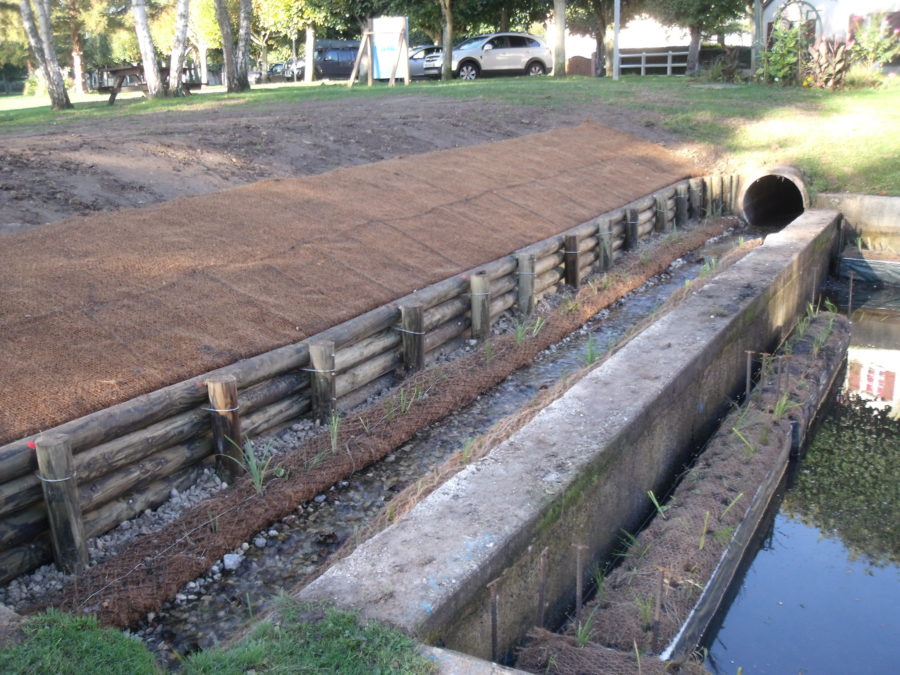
773,198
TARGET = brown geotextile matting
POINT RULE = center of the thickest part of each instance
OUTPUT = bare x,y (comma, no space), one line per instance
98,309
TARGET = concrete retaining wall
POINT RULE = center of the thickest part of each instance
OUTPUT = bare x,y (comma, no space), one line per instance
873,217
579,471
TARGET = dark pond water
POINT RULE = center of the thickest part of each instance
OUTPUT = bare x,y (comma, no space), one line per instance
822,594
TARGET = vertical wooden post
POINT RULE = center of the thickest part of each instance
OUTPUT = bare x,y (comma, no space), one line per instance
662,221
321,359
412,327
570,260
631,228
480,291
681,205
695,193
226,425
525,283
604,245
57,474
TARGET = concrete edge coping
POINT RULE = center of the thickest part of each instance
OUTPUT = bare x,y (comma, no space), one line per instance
416,572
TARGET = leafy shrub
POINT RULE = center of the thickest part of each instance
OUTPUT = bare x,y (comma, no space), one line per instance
876,43
781,61
828,64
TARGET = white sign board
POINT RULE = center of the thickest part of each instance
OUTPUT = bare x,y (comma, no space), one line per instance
390,46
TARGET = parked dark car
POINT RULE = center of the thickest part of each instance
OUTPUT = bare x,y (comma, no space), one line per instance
333,60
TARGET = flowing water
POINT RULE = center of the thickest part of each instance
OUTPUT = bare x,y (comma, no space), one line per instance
821,594
212,608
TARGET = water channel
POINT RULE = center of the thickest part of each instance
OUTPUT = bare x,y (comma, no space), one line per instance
212,608
820,593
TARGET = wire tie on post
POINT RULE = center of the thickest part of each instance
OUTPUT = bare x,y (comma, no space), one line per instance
411,332
474,294
221,410
314,370
55,480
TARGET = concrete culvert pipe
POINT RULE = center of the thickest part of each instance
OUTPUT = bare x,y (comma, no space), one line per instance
773,197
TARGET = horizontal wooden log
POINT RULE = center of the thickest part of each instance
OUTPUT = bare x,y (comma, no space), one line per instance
645,229
276,414
21,526
646,216
587,244
103,519
355,354
443,333
18,560
547,263
547,280
158,465
102,459
366,372
455,307
501,304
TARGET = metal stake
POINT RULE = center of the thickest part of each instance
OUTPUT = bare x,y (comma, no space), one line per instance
495,621
542,590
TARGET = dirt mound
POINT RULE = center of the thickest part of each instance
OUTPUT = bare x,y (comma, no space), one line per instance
99,309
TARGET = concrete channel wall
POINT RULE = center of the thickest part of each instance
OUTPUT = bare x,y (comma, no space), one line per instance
578,472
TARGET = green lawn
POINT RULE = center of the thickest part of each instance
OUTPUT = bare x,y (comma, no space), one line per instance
845,141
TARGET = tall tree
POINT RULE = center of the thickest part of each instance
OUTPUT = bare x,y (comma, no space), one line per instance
74,10
447,39
179,46
700,17
559,38
236,61
242,57
148,51
230,67
594,17
40,37
203,33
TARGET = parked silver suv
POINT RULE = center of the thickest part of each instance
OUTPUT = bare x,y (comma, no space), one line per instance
495,53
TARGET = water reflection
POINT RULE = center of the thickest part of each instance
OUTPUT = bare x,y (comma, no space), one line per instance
822,596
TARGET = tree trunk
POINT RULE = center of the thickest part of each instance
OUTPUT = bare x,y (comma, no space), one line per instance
77,46
559,38
242,58
309,70
179,47
600,41
503,25
222,18
447,40
204,63
148,52
41,38
693,60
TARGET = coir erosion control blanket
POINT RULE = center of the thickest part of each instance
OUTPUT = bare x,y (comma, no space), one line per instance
98,309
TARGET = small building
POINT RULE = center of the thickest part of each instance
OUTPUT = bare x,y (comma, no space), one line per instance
829,18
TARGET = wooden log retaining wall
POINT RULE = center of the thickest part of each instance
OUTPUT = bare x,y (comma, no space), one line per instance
130,456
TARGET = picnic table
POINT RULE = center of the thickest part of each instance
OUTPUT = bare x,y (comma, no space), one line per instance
121,74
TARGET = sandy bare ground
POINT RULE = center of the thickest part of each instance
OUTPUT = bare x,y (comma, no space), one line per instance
51,173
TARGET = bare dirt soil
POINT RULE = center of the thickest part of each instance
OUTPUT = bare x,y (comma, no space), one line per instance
81,166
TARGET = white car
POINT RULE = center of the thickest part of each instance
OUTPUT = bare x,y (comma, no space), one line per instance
495,53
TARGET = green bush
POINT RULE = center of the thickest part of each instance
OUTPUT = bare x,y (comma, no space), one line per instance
876,43
782,60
